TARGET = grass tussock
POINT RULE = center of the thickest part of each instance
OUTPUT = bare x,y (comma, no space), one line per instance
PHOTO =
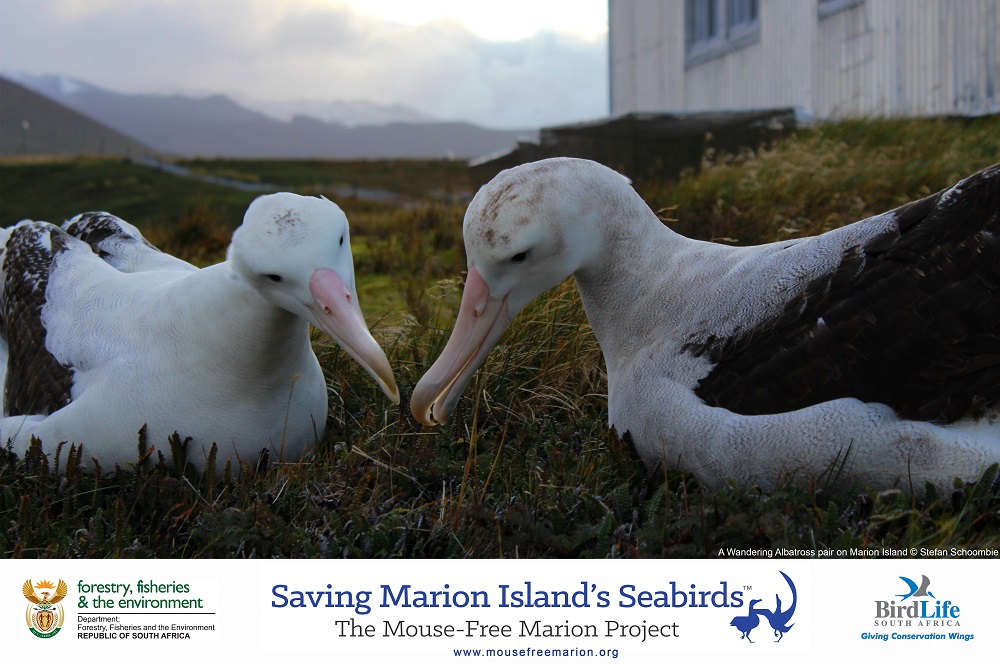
526,466
823,178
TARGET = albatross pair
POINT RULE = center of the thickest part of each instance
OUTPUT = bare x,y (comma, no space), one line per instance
872,350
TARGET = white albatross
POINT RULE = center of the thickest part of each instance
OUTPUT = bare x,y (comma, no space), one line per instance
102,334
872,351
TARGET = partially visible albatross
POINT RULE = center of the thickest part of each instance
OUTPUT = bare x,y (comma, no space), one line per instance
102,334
872,350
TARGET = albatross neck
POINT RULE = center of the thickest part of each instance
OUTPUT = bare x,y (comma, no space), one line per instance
235,326
633,290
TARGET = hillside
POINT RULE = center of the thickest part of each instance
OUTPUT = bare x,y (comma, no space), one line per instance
31,124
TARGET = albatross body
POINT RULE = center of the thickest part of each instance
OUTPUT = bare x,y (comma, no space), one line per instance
104,334
872,351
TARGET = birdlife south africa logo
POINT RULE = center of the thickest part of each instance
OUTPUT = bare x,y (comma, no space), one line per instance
917,612
917,607
44,614
778,618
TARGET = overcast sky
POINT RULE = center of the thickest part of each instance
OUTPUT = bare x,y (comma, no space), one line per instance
519,63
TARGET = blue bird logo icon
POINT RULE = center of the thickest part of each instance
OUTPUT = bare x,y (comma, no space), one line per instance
915,590
778,619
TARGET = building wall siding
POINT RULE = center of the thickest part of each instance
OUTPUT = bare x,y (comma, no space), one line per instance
770,73
877,58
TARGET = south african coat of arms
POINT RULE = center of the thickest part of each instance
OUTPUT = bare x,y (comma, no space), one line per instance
44,614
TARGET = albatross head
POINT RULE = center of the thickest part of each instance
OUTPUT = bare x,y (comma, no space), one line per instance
296,252
526,231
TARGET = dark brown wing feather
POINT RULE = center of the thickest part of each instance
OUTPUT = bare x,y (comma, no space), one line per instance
911,320
36,383
107,236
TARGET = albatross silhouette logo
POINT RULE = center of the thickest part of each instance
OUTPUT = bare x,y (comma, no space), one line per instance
44,614
915,590
777,619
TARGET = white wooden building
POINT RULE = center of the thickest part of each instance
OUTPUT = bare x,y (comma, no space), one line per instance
829,58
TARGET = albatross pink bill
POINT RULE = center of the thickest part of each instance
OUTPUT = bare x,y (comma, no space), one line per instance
481,321
338,313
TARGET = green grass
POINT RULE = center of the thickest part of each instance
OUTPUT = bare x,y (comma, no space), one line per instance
56,190
526,466
420,179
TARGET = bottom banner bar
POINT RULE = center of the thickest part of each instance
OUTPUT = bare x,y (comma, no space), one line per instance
540,610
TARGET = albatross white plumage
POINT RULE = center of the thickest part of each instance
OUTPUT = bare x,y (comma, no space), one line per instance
872,351
102,334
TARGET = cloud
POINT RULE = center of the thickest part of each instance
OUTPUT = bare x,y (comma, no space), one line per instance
304,50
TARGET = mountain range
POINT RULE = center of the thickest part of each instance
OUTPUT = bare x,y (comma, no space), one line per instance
218,126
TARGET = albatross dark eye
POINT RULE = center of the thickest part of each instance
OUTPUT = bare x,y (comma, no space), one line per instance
342,240
276,278
519,258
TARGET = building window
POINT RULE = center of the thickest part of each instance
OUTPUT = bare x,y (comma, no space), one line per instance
703,24
717,27
742,12
827,7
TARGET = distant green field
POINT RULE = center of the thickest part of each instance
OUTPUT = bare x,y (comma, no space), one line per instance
409,178
56,190
525,467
